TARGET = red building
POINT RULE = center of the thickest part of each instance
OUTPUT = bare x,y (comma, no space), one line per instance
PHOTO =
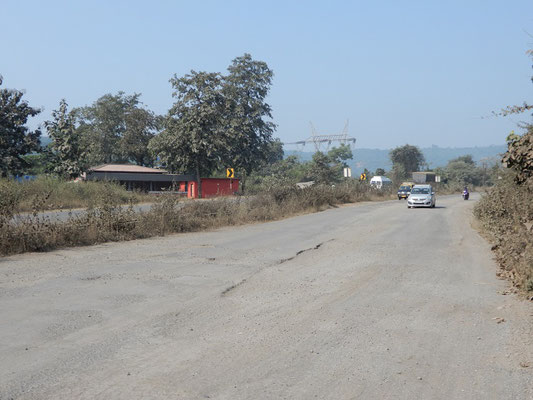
213,187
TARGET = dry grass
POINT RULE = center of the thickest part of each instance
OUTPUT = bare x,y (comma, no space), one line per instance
506,216
108,221
49,193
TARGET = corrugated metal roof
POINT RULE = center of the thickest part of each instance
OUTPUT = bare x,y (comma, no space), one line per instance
128,168
137,177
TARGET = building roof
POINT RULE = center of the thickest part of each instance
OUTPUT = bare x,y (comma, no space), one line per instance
137,177
126,168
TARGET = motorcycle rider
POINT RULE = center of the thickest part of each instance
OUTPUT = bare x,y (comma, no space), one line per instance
465,193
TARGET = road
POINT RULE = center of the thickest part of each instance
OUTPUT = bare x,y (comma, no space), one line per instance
366,301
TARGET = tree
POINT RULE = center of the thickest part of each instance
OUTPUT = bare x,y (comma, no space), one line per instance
463,172
380,172
287,171
398,173
467,159
327,168
410,158
246,124
337,160
274,152
290,169
339,155
16,140
103,124
37,164
193,139
65,150
141,125
519,155
320,170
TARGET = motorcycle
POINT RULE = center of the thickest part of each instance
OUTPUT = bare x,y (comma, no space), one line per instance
466,195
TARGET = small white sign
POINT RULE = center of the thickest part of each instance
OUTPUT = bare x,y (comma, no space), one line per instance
347,172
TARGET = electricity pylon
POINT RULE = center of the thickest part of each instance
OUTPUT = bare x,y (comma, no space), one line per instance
321,140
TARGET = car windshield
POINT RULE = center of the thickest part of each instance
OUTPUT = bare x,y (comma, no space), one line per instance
405,188
420,191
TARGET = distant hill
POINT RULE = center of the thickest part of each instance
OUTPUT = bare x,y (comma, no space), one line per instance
372,159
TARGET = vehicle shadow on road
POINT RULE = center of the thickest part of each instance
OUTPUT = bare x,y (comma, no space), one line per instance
427,208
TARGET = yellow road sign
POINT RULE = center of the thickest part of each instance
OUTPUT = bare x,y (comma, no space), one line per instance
230,172
362,177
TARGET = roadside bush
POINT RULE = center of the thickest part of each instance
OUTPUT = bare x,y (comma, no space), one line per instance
506,215
51,193
10,198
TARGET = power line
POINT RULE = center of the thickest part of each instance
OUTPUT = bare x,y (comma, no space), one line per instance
320,140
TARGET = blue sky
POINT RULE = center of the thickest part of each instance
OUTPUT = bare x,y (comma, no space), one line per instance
417,72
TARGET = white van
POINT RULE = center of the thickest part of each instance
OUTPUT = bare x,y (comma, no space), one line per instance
380,182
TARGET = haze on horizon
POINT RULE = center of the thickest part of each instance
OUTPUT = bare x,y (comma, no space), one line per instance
418,73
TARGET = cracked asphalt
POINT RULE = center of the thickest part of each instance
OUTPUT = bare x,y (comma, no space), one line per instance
366,301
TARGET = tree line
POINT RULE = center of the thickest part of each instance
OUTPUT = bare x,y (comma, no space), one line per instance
462,170
217,121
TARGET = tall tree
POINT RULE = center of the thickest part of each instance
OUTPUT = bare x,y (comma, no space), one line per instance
408,157
16,140
141,125
274,152
103,124
248,115
193,139
66,155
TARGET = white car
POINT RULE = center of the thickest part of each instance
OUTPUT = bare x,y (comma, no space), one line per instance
421,196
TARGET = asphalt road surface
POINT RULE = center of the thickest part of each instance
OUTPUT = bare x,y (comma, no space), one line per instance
367,301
